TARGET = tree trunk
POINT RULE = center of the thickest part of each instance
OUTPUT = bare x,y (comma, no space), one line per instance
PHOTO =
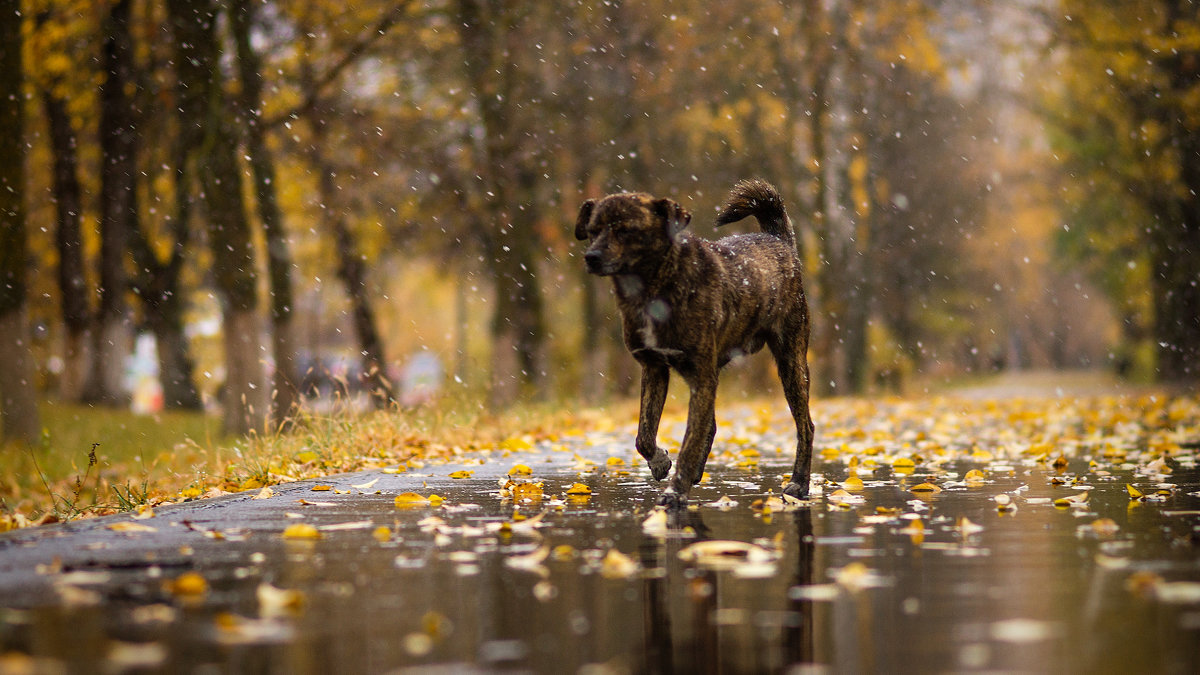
113,336
72,282
353,274
285,393
490,40
18,396
226,221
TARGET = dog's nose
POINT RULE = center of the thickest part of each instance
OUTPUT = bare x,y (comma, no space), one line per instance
592,259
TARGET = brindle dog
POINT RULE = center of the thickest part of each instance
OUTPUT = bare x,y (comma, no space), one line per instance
694,305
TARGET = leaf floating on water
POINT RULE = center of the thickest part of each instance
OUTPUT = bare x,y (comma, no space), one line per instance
975,477
579,489
520,470
461,474
1134,493
723,554
724,503
527,492
853,483
530,562
409,499
301,531
1105,527
966,527
656,523
1078,500
617,565
277,602
1004,502
929,488
382,534
188,584
436,500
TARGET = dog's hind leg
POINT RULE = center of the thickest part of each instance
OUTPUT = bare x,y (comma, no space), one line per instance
792,363
655,378
697,440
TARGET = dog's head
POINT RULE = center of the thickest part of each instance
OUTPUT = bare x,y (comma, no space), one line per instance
628,232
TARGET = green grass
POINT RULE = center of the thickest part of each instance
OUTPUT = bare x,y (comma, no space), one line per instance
62,475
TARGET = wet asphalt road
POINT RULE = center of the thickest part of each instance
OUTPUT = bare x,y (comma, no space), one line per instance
878,578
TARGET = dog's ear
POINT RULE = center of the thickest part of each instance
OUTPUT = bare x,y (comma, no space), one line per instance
585,214
674,216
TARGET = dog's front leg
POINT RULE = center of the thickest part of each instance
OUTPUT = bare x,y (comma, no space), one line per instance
697,440
655,378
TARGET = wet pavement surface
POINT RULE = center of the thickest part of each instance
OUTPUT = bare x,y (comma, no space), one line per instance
1058,567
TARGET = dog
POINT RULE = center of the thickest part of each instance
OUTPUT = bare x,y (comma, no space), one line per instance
692,305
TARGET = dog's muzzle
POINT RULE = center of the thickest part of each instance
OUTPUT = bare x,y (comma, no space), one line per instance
594,260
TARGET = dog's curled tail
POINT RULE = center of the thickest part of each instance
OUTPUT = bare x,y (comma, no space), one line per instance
760,199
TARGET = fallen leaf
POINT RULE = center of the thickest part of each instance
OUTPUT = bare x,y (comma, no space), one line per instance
1134,493
188,584
724,554
530,562
265,493
853,483
405,499
925,487
382,534
366,486
724,503
527,492
305,502
301,531
129,526
144,512
966,527
341,527
617,565
579,489
276,602
461,474
1105,527
974,476
520,470
322,488
656,523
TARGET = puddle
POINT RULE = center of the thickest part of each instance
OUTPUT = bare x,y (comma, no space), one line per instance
892,580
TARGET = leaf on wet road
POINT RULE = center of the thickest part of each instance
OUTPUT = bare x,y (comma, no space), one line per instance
409,499
367,485
579,489
617,565
264,493
927,488
322,488
461,474
130,526
520,470
301,531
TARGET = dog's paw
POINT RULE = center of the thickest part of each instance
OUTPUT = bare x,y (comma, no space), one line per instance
796,490
660,464
672,500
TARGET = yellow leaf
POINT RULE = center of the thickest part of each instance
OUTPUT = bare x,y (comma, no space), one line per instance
1134,493
853,483
513,444
527,492
301,531
614,461
188,584
144,512
520,470
382,533
321,488
579,489
903,463
190,493
306,456
410,499
128,526
461,474
974,476
265,493
436,500
617,565
925,487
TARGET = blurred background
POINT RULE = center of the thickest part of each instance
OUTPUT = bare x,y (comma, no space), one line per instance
238,205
